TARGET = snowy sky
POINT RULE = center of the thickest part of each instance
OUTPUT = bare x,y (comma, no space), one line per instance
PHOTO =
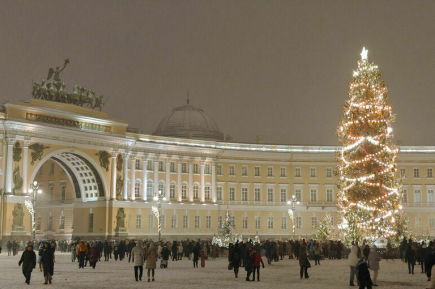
274,68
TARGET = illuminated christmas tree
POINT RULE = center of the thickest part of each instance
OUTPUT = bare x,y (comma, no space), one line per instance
324,229
368,197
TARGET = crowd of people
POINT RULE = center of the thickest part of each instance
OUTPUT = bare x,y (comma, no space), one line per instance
364,261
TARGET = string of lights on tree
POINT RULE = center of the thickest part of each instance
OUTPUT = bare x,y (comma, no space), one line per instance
368,197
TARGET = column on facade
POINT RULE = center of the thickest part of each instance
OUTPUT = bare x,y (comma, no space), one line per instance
213,181
156,175
25,161
126,155
144,177
10,142
113,172
168,177
133,177
202,197
191,180
179,182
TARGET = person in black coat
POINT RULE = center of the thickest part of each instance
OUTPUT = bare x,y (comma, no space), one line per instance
196,251
249,263
48,262
410,258
28,259
236,259
364,279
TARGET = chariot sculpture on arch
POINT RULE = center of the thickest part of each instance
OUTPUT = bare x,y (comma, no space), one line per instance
54,89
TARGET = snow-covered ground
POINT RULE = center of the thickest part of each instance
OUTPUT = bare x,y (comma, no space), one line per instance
283,274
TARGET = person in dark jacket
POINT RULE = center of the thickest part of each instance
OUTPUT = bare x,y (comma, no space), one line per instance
174,251
196,251
364,279
94,255
257,261
249,263
303,262
48,262
28,259
423,257
236,259
410,258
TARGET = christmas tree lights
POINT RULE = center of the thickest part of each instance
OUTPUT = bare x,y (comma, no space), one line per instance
368,197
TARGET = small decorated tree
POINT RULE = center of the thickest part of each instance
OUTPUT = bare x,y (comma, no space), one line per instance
324,229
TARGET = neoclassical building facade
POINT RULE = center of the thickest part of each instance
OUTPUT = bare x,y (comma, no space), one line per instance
99,178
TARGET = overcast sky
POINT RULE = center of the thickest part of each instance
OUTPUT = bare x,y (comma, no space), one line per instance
274,68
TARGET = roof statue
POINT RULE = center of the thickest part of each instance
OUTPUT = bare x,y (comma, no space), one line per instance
54,90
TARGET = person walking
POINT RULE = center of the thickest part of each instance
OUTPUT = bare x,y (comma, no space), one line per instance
28,259
138,256
374,260
352,261
151,260
317,251
303,262
410,259
257,261
94,255
48,262
180,251
364,280
196,251
249,262
203,256
82,251
9,246
165,256
235,260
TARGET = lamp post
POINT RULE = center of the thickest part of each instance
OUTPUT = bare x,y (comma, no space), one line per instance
291,212
34,189
158,213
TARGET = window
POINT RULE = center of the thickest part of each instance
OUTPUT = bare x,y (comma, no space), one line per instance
283,222
232,171
430,195
283,195
403,173
197,222
329,195
91,222
184,191
208,222
328,172
313,222
298,194
233,220
297,172
257,171
62,192
430,173
163,221
244,194
313,195
244,171
38,223
162,186
257,194
404,195
418,224
232,194
283,172
137,164
51,191
151,221
161,166
431,223
149,165
220,221
195,168
417,196
207,169
196,192
207,193
298,222
219,170
62,222
257,222
184,168
51,169
313,173
270,171
270,194
270,222
174,222
416,173
172,167
219,193
172,191
137,189
149,189
245,222
138,221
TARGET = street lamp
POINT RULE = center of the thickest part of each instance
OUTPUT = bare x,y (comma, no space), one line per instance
158,211
34,189
291,212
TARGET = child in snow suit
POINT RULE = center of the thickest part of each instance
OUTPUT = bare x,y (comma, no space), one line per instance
257,261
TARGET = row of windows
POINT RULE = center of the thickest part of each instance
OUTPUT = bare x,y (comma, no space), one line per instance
430,193
172,167
416,173
270,171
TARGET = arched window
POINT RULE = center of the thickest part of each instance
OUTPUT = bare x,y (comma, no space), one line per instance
162,187
184,191
172,191
149,189
207,192
196,192
137,189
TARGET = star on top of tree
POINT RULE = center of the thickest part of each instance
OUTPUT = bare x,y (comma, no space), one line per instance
364,53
